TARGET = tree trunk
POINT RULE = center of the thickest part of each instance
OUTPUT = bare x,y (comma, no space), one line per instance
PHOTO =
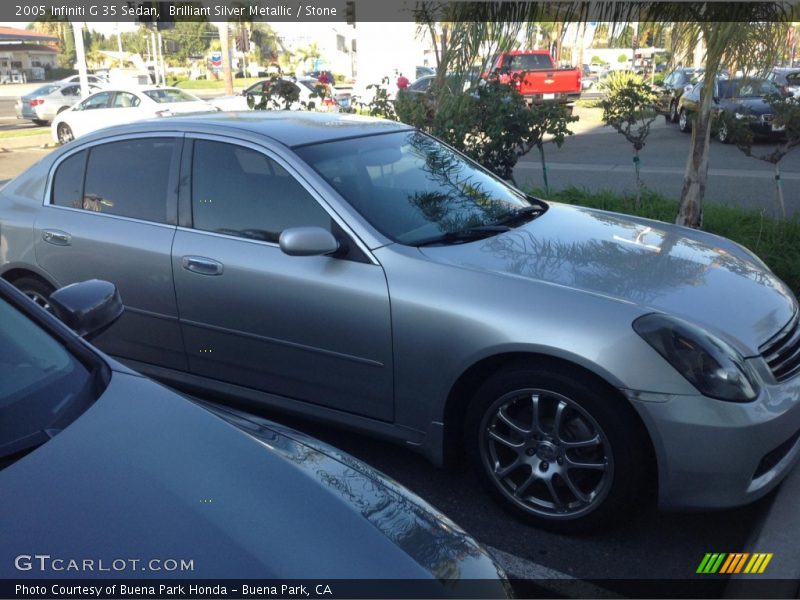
544,171
638,180
690,212
779,186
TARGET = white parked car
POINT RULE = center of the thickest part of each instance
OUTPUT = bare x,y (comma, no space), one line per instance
119,106
95,80
303,87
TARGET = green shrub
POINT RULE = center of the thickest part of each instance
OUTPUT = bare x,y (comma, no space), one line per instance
775,241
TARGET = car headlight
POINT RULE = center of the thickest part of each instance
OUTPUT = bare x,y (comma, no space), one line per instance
711,365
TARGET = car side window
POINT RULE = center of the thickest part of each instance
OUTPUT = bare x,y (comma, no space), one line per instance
238,191
125,100
96,101
71,90
128,179
68,181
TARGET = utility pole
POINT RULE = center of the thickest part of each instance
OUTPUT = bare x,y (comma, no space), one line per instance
154,60
80,57
227,74
161,62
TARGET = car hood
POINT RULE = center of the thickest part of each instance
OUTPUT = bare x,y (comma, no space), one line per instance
660,267
147,474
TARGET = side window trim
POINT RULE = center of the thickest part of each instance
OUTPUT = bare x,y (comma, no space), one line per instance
185,208
172,190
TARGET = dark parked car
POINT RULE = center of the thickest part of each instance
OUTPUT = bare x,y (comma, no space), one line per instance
673,87
735,99
99,462
360,272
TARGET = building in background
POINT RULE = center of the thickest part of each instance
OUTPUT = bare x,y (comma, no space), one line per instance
25,55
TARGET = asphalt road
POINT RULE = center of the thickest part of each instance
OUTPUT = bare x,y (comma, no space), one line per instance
649,544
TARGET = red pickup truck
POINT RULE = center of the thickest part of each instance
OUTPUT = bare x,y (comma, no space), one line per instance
541,80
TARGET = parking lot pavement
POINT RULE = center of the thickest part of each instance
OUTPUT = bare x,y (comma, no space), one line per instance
597,158
13,162
648,545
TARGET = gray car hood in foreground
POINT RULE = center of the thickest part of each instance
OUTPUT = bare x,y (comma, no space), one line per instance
701,278
145,473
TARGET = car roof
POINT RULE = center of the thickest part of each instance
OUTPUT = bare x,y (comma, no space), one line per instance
290,128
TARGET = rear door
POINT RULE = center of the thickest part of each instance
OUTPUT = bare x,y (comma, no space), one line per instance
110,213
315,329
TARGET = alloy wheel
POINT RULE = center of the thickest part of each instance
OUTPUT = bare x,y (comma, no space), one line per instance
64,133
546,454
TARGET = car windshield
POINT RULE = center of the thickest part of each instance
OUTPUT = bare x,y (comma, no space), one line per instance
747,88
43,387
411,187
169,95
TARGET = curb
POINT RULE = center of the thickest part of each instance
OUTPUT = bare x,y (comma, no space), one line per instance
26,142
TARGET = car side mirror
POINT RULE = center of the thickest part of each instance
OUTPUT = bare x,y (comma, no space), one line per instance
88,308
307,241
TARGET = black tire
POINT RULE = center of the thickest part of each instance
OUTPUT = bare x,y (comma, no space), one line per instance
40,122
62,109
684,121
723,134
36,289
673,112
608,472
64,133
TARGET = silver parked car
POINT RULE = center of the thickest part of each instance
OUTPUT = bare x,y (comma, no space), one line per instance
360,272
229,494
43,104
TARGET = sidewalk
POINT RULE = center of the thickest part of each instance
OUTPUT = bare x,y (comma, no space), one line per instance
14,90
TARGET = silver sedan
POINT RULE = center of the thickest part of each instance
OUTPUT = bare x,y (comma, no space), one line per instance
360,272
43,104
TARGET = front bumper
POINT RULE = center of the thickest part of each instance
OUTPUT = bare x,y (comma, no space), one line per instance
716,454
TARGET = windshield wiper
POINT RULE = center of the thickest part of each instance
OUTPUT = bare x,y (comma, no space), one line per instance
522,215
463,235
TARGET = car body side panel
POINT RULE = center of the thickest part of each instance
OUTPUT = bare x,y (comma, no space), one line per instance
444,323
316,329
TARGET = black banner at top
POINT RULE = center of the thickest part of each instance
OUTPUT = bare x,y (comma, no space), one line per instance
354,11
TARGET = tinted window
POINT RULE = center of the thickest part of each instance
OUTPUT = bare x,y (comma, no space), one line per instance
42,386
71,90
167,95
241,192
523,62
96,101
125,100
130,178
68,181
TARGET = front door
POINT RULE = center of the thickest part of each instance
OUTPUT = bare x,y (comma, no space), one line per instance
315,329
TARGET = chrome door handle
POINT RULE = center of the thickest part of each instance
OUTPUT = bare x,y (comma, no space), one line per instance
202,265
56,237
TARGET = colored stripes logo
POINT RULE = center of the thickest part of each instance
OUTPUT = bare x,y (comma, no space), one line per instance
736,562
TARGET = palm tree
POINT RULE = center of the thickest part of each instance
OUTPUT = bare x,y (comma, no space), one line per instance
745,34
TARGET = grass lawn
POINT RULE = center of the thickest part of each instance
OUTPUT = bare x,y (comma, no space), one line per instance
14,133
775,241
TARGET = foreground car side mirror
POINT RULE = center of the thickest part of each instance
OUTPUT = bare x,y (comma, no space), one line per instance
88,308
307,241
